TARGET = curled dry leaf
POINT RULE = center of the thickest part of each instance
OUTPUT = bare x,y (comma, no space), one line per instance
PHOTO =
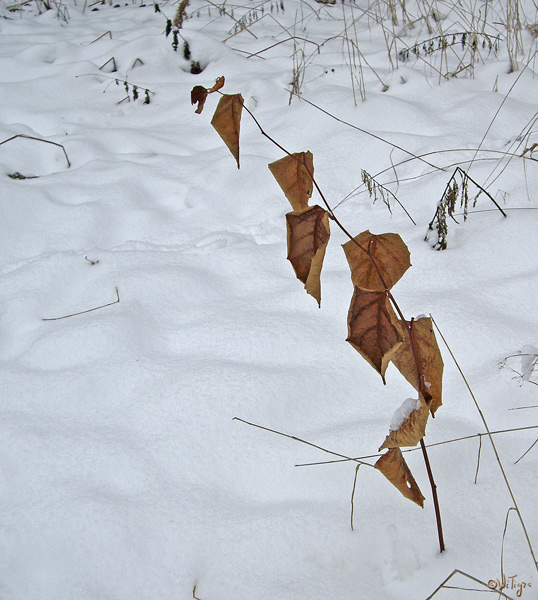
308,236
371,330
429,360
199,94
219,83
412,429
389,253
294,174
395,469
227,121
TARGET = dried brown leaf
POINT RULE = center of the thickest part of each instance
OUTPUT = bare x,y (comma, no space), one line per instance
395,469
429,360
389,253
294,174
219,83
371,330
308,236
412,429
227,120
198,94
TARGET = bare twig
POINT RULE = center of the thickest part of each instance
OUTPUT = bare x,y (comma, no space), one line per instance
353,495
478,459
296,439
460,439
526,452
377,137
30,137
82,312
458,572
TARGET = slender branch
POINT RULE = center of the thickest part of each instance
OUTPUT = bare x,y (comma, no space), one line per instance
434,495
31,137
369,133
82,312
478,459
526,452
353,495
296,439
452,441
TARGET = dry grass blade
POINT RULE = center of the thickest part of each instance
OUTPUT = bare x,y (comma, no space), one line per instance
444,585
30,137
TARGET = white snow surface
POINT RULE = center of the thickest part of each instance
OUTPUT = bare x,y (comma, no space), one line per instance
123,474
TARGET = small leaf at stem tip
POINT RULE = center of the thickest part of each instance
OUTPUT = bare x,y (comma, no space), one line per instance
395,469
430,361
198,94
294,174
219,83
389,253
411,430
308,236
371,329
227,121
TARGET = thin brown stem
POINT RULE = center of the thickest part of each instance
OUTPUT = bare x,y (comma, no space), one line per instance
434,494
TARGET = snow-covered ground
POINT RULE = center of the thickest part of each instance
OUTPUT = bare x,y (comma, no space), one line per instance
123,474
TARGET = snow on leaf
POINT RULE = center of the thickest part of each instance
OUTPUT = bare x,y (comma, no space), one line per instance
412,427
390,254
227,120
308,236
395,469
294,174
371,329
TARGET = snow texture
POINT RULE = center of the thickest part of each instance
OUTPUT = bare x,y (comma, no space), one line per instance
123,473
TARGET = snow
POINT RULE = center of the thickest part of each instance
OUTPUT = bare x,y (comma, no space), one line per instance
403,412
122,472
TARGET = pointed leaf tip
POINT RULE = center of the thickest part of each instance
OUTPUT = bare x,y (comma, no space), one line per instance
227,121
294,174
395,469
371,329
308,236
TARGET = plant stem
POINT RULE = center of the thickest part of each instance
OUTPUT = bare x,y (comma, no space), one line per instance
434,495
390,297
